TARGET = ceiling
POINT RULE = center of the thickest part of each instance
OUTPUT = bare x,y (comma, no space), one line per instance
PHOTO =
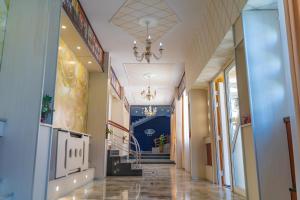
74,41
223,54
133,16
118,41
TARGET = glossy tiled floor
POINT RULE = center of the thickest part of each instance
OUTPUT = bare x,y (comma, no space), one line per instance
158,183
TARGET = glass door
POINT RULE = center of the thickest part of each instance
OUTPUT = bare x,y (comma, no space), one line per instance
236,148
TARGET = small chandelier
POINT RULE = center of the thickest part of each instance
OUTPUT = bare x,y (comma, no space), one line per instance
150,111
148,53
148,94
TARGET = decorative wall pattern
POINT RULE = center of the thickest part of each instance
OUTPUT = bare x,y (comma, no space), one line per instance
71,93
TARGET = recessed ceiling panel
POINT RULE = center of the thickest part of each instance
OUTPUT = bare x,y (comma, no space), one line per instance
133,13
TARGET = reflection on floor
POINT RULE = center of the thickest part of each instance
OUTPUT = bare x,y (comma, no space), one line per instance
159,182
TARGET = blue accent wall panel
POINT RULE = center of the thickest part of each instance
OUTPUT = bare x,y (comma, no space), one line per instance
152,127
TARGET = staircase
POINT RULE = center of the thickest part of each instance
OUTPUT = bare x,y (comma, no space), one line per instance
155,158
4,195
120,165
141,121
122,145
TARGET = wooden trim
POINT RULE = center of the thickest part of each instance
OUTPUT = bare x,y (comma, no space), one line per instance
291,152
118,126
292,12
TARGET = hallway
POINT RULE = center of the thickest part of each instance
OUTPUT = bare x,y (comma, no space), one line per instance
159,182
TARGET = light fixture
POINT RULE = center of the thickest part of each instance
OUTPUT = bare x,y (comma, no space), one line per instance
63,27
90,62
150,111
148,94
57,188
86,176
74,181
72,62
78,47
147,54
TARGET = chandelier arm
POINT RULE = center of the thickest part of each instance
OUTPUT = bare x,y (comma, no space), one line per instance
157,57
140,58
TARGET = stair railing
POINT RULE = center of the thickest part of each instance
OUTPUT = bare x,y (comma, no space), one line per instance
123,140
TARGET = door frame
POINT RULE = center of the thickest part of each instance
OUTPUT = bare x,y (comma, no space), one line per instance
234,188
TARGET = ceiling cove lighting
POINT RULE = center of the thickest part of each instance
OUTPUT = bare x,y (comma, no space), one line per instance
147,54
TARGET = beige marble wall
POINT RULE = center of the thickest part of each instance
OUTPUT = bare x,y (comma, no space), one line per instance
71,92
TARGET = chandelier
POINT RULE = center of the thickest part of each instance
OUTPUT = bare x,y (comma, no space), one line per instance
150,111
148,94
147,54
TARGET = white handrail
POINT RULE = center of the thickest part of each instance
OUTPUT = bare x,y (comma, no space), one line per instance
117,142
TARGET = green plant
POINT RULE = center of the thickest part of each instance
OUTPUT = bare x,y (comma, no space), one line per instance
161,140
46,107
108,132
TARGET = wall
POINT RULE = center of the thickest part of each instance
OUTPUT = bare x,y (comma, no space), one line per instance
97,117
179,146
289,24
217,19
269,104
199,131
71,92
21,84
160,124
120,115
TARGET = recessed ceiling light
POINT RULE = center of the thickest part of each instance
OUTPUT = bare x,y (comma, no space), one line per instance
63,27
78,47
90,62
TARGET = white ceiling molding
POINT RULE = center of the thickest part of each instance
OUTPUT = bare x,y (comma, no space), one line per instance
130,18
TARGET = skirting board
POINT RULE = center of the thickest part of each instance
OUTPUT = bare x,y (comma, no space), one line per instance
63,186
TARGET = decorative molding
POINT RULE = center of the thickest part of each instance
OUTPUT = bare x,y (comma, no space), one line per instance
115,83
80,21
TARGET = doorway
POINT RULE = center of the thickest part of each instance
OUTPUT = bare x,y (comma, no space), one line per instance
221,131
235,139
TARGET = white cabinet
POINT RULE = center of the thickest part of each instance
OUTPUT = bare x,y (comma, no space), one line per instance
70,153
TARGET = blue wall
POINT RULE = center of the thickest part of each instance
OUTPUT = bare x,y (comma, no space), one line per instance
160,124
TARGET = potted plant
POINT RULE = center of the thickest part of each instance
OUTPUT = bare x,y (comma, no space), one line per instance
108,132
46,108
161,143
